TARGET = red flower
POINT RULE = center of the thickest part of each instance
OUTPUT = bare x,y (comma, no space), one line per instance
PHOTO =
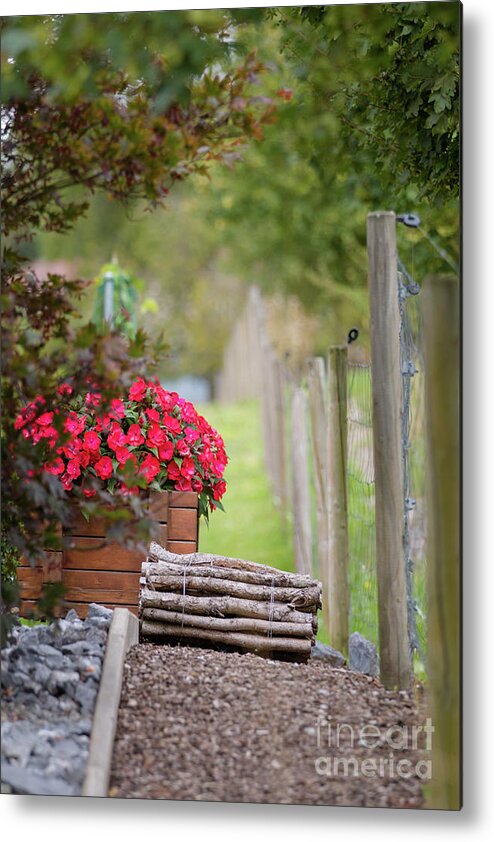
74,424
91,441
219,489
122,454
89,492
197,485
150,467
188,468
156,436
165,451
191,435
93,398
138,390
134,435
64,389
66,481
183,484
182,448
104,467
285,93
45,420
117,437
73,468
56,467
118,408
153,415
172,424
173,471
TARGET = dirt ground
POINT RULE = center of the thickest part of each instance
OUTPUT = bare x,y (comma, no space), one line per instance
196,724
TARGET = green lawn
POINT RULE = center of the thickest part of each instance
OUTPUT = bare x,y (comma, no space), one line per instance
251,526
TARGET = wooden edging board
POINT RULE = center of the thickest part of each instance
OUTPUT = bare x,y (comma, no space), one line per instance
123,633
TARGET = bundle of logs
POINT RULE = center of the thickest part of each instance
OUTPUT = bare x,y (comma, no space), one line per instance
213,599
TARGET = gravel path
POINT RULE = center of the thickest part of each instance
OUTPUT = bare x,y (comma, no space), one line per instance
196,724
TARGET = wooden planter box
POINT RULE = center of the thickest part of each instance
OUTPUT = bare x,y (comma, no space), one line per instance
93,569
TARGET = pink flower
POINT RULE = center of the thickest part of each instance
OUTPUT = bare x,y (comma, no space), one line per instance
104,467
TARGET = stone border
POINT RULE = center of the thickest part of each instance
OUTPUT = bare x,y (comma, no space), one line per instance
123,633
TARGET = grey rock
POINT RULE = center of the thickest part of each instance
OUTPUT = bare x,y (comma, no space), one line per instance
71,615
86,696
323,652
96,610
99,623
363,655
26,782
78,647
41,673
60,680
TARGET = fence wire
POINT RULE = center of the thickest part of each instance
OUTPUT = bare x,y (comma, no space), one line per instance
361,503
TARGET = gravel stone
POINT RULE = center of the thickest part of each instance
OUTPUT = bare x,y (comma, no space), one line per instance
262,742
50,680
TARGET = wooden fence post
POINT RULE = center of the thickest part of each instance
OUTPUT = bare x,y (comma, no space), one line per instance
316,381
388,465
441,327
300,479
338,596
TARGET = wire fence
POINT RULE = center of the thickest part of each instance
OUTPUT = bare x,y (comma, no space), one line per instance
361,503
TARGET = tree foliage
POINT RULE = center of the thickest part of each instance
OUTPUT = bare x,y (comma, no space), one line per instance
123,104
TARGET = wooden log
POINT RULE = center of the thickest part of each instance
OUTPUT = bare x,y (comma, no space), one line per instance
386,400
337,602
306,597
157,553
442,378
222,606
241,624
252,642
282,579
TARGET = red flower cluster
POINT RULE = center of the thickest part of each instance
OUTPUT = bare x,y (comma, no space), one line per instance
152,438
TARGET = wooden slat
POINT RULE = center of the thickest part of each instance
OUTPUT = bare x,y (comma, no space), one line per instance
52,566
158,505
90,553
83,607
182,547
183,499
160,533
102,596
182,525
30,582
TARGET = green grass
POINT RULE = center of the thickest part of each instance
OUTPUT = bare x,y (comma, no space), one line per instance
251,526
